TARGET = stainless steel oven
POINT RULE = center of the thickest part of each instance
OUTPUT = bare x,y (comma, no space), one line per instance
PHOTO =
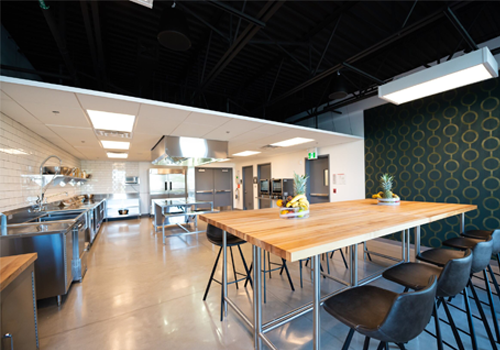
264,189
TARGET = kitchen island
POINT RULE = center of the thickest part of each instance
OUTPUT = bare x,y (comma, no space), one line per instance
330,226
184,208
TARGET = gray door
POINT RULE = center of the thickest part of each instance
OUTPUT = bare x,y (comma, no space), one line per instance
248,188
264,171
204,184
223,187
318,171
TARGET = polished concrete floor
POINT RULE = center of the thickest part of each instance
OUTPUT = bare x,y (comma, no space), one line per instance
141,294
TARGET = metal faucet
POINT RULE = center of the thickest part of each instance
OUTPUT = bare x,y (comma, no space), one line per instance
43,188
3,224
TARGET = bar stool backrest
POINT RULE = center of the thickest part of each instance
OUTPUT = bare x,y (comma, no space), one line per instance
496,241
455,276
481,255
409,315
214,234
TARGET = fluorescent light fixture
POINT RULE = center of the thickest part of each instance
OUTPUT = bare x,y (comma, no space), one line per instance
245,154
12,151
464,70
111,121
193,147
115,144
146,3
117,155
223,160
291,142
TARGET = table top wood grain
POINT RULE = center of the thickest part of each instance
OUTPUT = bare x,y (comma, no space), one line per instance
12,266
330,226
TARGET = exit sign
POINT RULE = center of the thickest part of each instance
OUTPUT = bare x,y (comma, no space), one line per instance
312,153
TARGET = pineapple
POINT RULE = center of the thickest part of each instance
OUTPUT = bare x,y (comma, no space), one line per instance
386,181
299,184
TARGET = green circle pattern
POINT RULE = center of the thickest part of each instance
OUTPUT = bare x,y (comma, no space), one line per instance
443,148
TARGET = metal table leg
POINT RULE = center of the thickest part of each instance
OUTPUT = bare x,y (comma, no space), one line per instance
257,298
462,223
408,249
353,254
416,232
403,243
315,262
224,271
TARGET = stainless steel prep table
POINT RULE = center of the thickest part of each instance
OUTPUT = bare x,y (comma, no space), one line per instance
165,209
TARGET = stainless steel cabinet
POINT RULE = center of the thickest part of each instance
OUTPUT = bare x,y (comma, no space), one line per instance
18,324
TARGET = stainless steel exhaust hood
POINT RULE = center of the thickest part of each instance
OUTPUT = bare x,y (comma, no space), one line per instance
188,151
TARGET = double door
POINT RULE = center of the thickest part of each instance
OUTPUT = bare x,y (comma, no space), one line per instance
214,185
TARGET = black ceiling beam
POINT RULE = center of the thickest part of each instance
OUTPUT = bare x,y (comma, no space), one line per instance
208,24
398,35
98,39
238,13
248,33
303,40
90,38
362,73
460,28
61,45
35,72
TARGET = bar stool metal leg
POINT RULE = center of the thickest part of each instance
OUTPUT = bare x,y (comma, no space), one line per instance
288,274
257,298
492,305
438,328
494,280
348,340
366,344
470,319
212,275
234,267
483,316
452,325
249,279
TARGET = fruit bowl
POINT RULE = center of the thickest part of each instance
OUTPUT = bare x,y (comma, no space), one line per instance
294,213
388,201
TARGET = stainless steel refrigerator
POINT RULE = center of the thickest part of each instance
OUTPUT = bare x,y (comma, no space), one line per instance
167,183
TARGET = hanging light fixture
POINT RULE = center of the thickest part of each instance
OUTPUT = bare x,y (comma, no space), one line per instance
468,69
174,30
338,88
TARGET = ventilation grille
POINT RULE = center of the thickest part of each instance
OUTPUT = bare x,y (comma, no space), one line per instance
269,147
111,133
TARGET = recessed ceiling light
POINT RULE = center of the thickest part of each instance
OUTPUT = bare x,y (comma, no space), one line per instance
115,144
117,155
468,69
291,142
111,121
246,154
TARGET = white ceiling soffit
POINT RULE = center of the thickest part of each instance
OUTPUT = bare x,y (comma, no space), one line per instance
58,113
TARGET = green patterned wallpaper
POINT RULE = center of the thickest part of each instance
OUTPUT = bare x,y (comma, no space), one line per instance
444,148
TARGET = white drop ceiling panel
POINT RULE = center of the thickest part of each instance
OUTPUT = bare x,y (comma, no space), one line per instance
67,116
75,136
3,96
192,130
106,104
206,119
159,120
13,110
32,94
231,130
31,103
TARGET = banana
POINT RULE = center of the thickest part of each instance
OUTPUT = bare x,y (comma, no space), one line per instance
289,204
304,201
295,205
297,198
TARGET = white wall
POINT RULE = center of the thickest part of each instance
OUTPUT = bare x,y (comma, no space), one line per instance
346,158
21,153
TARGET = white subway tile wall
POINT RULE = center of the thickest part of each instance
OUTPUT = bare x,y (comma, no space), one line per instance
109,177
21,153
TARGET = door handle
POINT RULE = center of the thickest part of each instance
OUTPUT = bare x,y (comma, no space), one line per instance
170,185
319,194
223,191
207,191
11,338
166,186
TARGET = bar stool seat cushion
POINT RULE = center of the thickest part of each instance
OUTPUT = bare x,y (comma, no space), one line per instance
462,242
361,308
214,235
412,275
478,234
439,257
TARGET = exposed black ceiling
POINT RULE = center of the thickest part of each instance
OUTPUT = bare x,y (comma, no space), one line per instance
275,64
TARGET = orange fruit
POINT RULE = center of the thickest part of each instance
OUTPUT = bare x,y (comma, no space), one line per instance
279,203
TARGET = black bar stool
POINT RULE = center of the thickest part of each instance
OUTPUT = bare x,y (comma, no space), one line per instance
452,279
481,254
214,235
484,235
382,314
463,243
